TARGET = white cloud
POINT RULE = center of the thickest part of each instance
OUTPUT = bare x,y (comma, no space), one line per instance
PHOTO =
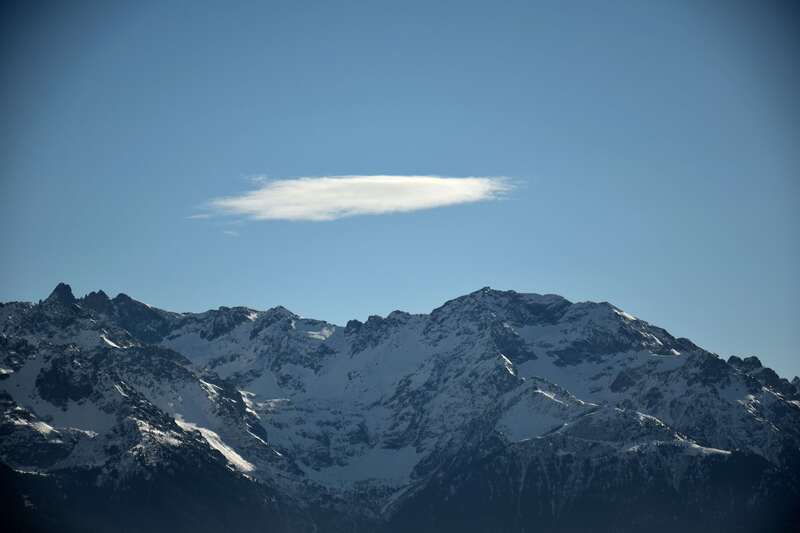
332,197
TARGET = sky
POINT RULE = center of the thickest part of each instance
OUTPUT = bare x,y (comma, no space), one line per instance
345,159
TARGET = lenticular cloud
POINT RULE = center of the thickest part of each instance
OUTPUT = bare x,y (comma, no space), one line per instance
332,197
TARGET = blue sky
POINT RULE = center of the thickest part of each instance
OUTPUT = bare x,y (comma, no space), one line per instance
650,148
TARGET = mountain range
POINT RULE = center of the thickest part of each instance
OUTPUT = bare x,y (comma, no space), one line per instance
497,412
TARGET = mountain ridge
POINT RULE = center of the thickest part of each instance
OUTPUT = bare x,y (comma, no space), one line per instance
354,428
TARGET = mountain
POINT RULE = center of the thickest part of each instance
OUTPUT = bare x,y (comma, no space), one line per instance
498,411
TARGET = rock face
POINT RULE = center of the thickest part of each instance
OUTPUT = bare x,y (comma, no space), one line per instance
498,411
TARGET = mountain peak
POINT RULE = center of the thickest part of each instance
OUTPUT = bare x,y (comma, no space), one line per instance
122,297
62,294
503,302
98,301
747,364
280,311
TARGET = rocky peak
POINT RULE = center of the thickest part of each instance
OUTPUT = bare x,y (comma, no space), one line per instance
280,311
276,320
225,319
764,375
98,301
62,294
399,317
487,304
275,315
145,323
123,298
747,364
353,326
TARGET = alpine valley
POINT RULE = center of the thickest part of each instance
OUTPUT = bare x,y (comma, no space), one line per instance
496,412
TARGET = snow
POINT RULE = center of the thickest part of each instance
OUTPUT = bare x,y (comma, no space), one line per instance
85,414
519,423
163,437
367,406
321,334
214,440
549,395
108,342
262,441
508,365
705,450
690,448
654,338
80,415
30,472
38,426
625,315
211,389
391,466
247,398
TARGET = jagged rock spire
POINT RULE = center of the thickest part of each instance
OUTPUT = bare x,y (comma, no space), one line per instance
98,301
62,294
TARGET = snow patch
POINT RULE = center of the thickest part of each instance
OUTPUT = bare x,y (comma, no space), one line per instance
320,335
156,434
109,342
38,426
214,440
211,389
624,315
508,365
521,421
248,403
381,464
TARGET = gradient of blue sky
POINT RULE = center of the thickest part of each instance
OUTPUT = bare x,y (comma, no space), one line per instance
654,146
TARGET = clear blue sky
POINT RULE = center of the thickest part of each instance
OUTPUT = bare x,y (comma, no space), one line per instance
654,148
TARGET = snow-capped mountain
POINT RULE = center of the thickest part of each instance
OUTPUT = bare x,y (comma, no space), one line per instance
498,411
